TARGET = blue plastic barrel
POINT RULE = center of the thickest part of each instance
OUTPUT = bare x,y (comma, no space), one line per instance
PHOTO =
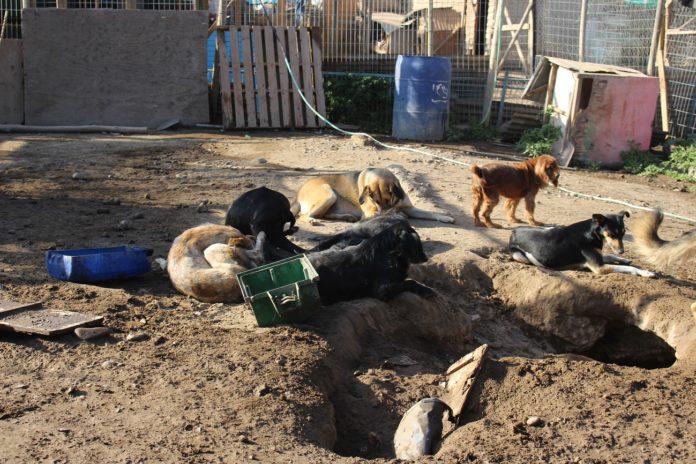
421,101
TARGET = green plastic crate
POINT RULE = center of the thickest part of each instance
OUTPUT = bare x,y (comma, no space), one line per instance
281,292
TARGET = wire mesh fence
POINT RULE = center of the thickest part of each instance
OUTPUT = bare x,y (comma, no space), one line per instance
681,70
361,40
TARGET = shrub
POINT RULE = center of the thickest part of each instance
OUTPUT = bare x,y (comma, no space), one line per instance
364,101
475,131
538,141
636,160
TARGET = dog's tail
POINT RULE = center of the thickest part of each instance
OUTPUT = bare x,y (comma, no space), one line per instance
477,172
659,252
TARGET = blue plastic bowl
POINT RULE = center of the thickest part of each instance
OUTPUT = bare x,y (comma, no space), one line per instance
97,264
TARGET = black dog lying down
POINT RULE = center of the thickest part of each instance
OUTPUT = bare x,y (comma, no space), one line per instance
361,231
575,246
376,267
265,210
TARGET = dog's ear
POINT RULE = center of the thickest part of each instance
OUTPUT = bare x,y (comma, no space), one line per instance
598,219
364,194
396,191
624,213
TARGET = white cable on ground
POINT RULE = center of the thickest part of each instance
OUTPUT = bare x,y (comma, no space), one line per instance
444,158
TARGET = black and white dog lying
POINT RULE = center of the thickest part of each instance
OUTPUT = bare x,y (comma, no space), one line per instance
377,267
575,246
265,210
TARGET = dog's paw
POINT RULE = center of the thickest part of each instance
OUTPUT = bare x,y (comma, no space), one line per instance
445,219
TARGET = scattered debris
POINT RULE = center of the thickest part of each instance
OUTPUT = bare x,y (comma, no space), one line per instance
79,176
535,421
401,360
162,263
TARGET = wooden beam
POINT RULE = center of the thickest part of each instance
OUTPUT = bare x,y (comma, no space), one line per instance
514,41
493,63
655,41
549,90
61,3
583,24
131,5
225,88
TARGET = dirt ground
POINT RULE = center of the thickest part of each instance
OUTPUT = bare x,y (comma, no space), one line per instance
592,356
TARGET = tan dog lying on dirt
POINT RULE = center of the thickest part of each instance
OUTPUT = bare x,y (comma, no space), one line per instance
514,182
357,195
203,262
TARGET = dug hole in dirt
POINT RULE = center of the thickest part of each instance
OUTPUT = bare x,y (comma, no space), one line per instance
604,362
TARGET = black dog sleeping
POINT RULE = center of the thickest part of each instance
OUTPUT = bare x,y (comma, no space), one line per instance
265,210
377,267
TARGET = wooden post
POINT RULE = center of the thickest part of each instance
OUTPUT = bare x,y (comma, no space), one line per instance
493,63
430,28
61,3
654,42
131,5
549,91
660,57
530,42
583,24
515,36
220,21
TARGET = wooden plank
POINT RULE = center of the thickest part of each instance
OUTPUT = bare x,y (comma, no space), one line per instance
514,40
238,5
260,77
225,89
286,109
664,104
248,68
461,377
44,321
293,51
239,119
318,76
7,306
272,70
305,47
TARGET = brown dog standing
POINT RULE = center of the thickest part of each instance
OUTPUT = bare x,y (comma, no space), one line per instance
514,182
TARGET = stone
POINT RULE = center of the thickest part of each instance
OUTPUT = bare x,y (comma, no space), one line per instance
420,429
124,225
262,390
88,333
534,421
137,337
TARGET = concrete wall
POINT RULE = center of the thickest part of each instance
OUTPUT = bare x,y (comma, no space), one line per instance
128,67
11,89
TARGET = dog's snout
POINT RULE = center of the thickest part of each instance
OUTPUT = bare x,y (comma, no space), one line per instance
616,245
